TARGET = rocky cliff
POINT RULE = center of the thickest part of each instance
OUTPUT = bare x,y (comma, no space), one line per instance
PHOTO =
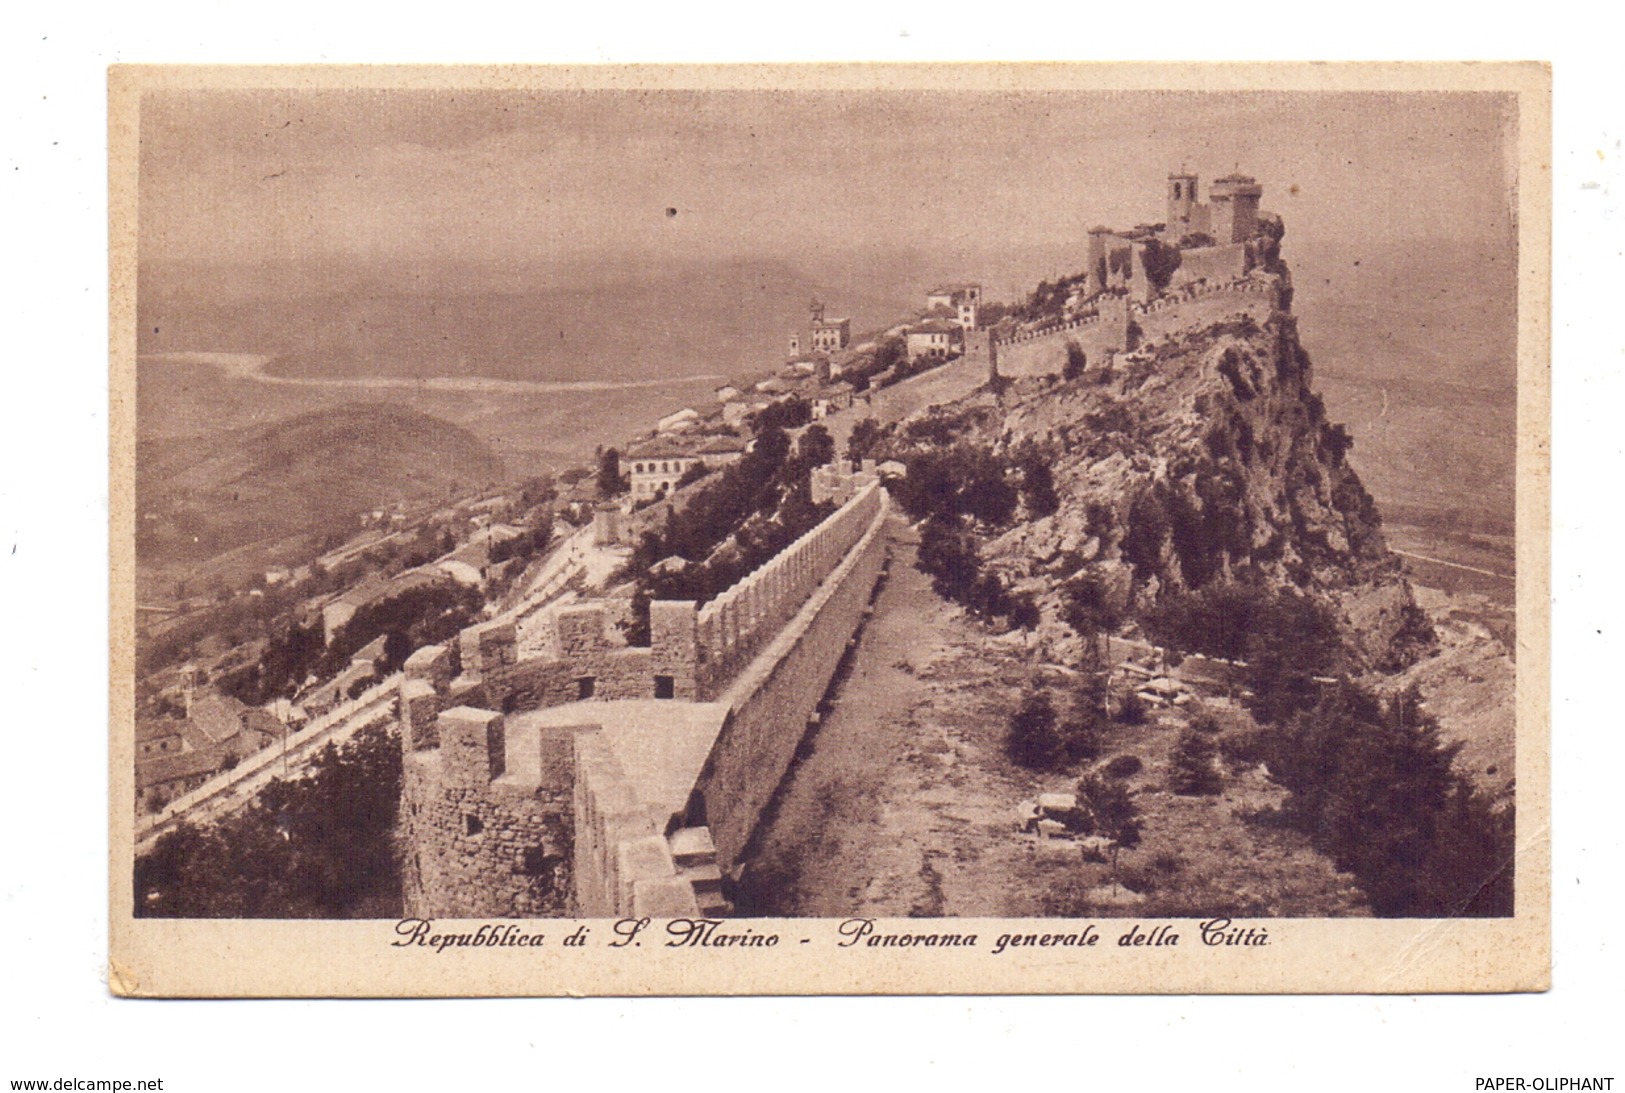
1202,456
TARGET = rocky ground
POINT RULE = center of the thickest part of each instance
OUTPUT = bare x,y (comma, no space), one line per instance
1470,686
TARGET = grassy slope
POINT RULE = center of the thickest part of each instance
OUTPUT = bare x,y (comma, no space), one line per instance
310,473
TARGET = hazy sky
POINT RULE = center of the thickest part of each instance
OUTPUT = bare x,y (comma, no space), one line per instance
509,177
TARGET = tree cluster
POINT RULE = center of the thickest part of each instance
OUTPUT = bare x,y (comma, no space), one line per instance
1048,299
1285,638
949,554
785,413
963,479
1373,786
736,523
1040,737
1161,260
418,616
319,846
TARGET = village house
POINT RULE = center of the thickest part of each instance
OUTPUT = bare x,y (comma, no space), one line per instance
823,335
678,420
176,755
721,450
831,399
957,304
734,413
828,335
655,468
935,339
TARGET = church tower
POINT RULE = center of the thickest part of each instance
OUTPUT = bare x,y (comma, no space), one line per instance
1181,203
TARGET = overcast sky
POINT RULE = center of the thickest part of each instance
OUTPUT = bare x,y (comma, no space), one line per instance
506,177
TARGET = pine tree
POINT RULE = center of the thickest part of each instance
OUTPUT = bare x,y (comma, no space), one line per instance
1034,740
1194,773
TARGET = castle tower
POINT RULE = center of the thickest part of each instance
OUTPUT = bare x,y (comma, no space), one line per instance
1181,204
1234,199
1095,262
817,310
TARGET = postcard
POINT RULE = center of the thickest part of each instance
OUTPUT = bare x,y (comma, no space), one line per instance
830,529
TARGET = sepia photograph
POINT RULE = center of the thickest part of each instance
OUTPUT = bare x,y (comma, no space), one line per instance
921,515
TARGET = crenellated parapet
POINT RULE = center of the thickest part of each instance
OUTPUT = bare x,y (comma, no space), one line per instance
482,838
733,626
548,766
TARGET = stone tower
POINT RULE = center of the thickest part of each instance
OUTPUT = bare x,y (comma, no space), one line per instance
1181,204
1234,200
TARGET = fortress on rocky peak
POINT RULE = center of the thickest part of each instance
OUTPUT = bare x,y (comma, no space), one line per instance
550,768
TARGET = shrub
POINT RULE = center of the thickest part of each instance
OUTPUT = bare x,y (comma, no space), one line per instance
1244,747
1124,766
1076,361
1133,710
1116,815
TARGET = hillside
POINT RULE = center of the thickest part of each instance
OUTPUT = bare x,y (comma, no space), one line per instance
307,474
1201,458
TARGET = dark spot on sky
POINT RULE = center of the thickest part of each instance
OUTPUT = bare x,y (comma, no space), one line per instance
671,212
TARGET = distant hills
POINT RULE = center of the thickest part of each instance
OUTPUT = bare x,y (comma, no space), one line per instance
198,497
725,318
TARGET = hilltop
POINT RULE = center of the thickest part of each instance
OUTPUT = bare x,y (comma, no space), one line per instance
312,473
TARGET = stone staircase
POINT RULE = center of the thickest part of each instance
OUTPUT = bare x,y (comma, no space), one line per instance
695,856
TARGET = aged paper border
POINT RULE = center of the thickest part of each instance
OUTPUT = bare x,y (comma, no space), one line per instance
258,958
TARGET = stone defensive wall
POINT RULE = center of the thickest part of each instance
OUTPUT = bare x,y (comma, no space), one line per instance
563,771
943,384
481,837
661,819
732,628
1198,305
1043,352
1193,304
775,701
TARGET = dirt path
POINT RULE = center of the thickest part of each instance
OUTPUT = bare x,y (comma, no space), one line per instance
897,806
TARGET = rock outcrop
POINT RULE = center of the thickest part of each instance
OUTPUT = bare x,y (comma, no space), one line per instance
1204,455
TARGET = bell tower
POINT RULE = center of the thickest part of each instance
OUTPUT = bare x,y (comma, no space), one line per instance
1181,201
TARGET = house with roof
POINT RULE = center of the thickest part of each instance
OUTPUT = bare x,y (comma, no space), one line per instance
677,420
655,468
176,755
824,334
722,449
934,339
831,399
957,304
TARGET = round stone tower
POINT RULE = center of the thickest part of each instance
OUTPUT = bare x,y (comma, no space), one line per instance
1235,207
